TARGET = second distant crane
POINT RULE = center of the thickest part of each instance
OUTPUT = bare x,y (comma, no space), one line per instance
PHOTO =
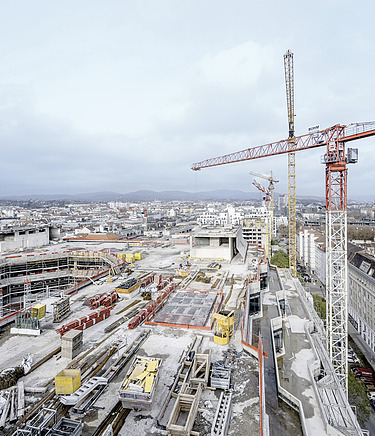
268,220
271,188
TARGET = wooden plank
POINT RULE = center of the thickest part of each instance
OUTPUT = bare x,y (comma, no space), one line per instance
149,383
20,399
143,375
5,411
13,411
137,371
152,366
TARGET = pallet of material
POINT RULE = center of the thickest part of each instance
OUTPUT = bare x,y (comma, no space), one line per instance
128,286
138,388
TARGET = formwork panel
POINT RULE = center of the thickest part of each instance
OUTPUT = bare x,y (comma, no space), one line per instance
186,308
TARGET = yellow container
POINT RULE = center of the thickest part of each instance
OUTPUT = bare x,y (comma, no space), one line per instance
138,256
39,310
67,381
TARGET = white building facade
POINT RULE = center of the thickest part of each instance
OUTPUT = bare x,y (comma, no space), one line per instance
361,292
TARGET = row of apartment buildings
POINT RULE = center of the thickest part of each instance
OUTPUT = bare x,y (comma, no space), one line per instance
311,248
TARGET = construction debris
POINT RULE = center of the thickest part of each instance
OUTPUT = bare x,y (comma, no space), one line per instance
138,388
9,376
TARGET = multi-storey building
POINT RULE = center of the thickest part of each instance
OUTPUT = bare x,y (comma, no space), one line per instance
361,293
361,279
311,251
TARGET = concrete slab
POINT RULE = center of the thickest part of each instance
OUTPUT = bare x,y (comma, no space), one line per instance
187,308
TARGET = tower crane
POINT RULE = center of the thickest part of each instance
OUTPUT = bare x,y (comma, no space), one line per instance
336,158
268,220
289,82
271,188
263,189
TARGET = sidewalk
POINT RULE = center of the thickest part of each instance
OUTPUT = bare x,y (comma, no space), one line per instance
362,345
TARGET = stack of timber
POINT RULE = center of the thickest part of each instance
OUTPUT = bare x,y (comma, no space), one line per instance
61,309
138,388
71,344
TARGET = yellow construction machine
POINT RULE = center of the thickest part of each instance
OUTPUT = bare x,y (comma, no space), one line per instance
223,327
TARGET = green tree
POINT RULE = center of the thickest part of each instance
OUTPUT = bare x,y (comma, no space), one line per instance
358,397
280,259
320,306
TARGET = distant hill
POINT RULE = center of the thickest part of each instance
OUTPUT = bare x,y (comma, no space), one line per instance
148,195
144,195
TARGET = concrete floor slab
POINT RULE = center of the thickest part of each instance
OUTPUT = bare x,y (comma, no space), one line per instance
187,308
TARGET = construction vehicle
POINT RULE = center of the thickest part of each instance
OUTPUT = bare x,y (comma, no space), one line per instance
223,327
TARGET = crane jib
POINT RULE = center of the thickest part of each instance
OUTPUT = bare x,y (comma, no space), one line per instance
312,140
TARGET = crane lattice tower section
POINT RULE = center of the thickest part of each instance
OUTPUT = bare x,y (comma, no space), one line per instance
289,82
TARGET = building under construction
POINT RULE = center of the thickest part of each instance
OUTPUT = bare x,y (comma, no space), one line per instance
32,276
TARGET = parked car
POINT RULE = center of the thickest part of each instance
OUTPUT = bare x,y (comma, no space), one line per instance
367,381
371,395
362,371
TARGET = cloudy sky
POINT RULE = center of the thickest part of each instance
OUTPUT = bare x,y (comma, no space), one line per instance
126,95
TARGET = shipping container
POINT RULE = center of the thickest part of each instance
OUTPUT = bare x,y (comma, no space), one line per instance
39,310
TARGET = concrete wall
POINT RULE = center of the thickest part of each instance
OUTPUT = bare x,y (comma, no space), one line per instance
207,252
26,239
212,247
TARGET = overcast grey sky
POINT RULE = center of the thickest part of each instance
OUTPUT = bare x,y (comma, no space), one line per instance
126,95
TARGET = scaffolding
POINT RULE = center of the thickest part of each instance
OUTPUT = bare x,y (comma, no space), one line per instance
49,274
27,293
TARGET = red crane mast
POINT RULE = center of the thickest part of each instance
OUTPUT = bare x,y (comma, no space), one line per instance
335,159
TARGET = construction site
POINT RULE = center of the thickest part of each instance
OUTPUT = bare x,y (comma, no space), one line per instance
69,372
170,339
